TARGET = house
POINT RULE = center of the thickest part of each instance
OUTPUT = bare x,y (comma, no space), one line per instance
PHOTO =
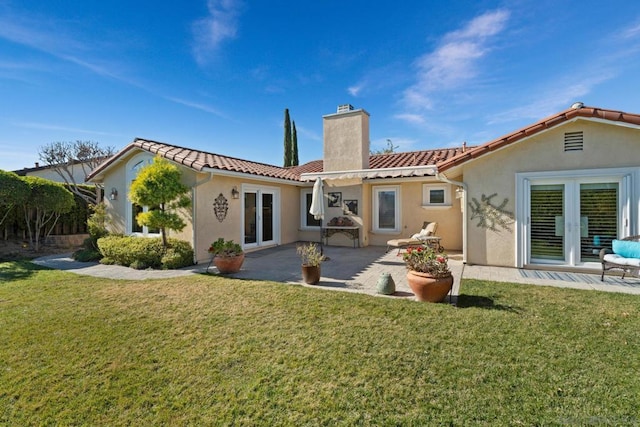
76,170
551,193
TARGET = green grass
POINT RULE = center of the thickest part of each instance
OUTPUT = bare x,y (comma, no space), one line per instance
206,350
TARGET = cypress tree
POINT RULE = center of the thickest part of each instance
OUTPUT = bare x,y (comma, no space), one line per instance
294,145
287,139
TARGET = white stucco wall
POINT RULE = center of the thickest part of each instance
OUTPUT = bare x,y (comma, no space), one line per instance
605,146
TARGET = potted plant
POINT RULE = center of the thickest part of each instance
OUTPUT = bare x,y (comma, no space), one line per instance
311,259
228,256
429,276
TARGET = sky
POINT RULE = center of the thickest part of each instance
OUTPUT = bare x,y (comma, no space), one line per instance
217,75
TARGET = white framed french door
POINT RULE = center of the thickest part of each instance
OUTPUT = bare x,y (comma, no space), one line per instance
260,216
566,218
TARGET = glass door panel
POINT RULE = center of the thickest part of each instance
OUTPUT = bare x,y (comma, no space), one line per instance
598,218
547,222
387,210
250,218
267,217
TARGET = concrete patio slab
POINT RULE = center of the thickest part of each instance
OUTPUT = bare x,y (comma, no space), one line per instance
353,270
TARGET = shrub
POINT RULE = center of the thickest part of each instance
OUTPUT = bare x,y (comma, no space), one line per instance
179,254
96,224
141,252
87,255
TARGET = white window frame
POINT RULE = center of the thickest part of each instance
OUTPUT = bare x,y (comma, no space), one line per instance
426,195
397,211
304,193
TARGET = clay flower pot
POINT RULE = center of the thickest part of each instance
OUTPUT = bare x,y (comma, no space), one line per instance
311,274
228,264
428,288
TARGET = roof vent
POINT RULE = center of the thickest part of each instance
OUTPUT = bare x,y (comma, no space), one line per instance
345,108
573,141
577,105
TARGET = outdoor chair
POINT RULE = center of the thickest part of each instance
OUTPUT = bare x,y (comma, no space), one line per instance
624,255
425,237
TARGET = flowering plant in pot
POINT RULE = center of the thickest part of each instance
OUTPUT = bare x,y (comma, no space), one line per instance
311,258
429,276
228,256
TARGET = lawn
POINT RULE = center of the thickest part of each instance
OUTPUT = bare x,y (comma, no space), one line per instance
205,350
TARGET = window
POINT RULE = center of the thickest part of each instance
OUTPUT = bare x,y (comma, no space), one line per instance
386,209
436,195
307,220
133,169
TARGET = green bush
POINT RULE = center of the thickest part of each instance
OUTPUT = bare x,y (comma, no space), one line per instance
179,254
142,252
87,255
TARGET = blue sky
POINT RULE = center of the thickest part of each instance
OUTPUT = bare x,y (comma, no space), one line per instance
216,75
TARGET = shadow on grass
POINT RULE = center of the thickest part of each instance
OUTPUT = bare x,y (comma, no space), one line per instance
16,270
468,301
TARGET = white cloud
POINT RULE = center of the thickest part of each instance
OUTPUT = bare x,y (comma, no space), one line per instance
415,119
196,105
455,61
631,31
555,98
221,24
355,89
306,133
52,127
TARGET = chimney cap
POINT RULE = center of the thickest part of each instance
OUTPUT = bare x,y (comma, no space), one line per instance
344,108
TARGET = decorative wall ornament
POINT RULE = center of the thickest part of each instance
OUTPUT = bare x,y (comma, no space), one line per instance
220,207
490,216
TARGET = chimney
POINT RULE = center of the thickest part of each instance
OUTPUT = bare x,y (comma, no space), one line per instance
37,164
346,139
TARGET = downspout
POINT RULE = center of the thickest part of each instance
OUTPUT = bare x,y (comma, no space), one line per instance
443,178
194,235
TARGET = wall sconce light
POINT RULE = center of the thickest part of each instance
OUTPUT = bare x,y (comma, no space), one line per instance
459,193
114,194
235,193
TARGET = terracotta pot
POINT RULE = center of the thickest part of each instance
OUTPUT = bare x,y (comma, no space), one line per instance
311,274
429,288
228,264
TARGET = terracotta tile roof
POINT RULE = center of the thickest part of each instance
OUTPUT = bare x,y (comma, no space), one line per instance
413,158
544,124
201,160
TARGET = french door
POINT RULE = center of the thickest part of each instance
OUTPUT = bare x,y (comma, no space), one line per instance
261,216
570,219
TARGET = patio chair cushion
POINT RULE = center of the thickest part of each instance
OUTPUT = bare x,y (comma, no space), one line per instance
427,231
626,248
622,260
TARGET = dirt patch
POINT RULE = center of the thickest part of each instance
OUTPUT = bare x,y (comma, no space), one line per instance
18,249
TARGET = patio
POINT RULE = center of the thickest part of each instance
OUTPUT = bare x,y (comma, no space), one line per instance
355,270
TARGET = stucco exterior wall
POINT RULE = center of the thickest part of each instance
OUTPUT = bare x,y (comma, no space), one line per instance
413,213
605,146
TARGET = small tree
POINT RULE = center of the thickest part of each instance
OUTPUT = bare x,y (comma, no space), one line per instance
294,145
46,201
66,156
389,149
158,184
13,192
